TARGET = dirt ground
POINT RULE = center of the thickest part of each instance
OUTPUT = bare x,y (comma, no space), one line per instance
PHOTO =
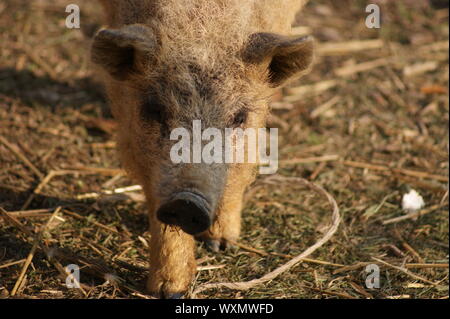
369,123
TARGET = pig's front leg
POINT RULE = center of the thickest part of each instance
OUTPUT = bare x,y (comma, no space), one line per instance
172,261
227,226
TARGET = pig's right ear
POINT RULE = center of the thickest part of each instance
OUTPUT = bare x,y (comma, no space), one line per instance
286,58
125,51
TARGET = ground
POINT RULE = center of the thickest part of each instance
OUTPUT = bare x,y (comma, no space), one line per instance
369,123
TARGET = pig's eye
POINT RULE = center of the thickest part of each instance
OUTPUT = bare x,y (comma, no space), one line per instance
151,110
240,118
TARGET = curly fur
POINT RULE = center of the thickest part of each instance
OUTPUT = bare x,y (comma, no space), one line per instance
187,60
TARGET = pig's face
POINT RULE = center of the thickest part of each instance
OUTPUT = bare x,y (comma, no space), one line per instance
151,95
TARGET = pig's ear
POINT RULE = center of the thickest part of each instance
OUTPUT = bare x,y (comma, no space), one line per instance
286,57
125,51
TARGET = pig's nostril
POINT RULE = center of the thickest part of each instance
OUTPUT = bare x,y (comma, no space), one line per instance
171,216
195,221
188,211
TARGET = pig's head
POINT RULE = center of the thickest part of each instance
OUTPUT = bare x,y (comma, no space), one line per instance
153,90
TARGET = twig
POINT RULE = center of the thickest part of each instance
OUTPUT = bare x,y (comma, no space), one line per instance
80,170
296,93
405,271
263,253
408,247
420,174
422,265
65,211
13,221
92,170
36,191
360,290
362,67
273,274
444,198
395,250
210,267
325,107
109,144
419,68
122,263
45,212
22,157
120,190
408,266
95,269
307,160
317,171
404,296
48,252
435,46
12,263
25,268
414,215
351,267
31,254
341,48
395,170
366,165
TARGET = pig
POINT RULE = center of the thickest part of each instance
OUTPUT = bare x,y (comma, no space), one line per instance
166,63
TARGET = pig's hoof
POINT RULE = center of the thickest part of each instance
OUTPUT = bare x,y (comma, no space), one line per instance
216,245
227,245
177,295
166,289
168,295
212,244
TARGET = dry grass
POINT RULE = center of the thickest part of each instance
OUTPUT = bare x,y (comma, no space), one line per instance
369,122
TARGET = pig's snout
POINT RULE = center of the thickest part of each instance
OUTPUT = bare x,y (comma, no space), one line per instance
187,210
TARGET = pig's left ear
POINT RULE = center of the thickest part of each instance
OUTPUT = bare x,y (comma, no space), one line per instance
125,51
287,58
